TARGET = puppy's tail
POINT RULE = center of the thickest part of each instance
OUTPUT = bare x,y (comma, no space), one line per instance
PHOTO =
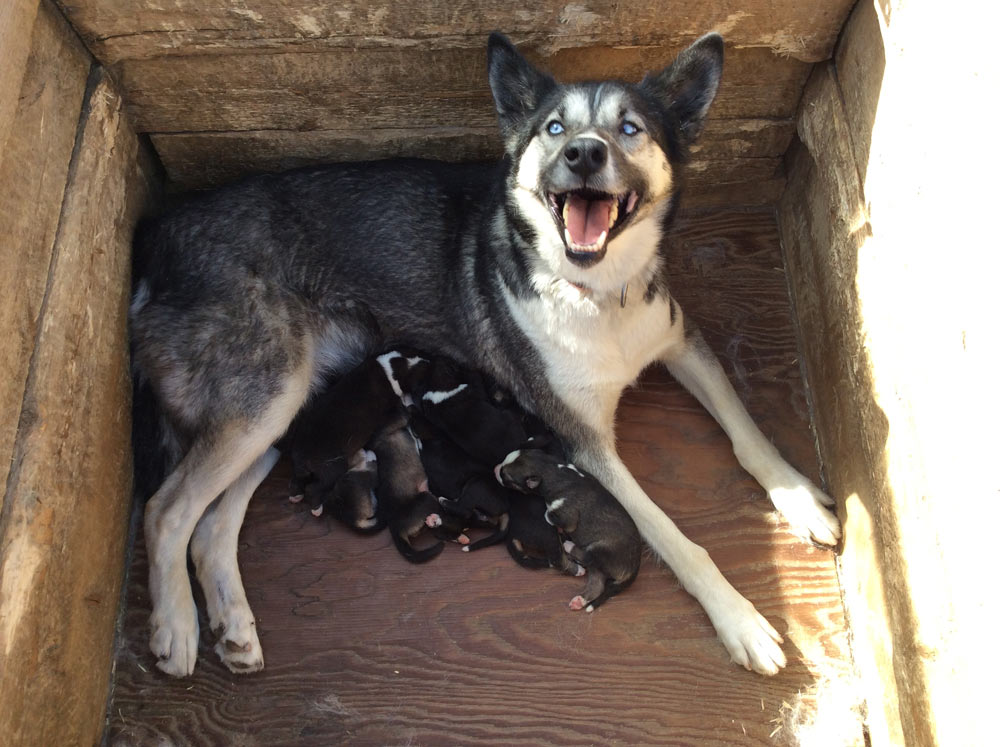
411,553
516,550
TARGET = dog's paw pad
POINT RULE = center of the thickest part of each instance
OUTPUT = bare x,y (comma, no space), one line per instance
295,498
433,520
239,649
318,511
463,540
577,603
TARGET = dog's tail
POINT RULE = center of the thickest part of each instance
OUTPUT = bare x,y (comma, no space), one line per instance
155,447
411,553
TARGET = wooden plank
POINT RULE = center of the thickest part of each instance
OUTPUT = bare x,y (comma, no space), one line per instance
823,219
396,88
730,150
363,648
65,519
860,62
33,167
137,29
17,18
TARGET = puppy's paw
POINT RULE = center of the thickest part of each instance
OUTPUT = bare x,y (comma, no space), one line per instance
580,570
318,511
463,539
805,507
577,603
174,638
433,520
238,646
568,546
752,641
296,498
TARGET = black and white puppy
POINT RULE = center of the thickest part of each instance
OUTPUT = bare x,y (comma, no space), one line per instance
532,541
601,536
337,423
353,501
458,402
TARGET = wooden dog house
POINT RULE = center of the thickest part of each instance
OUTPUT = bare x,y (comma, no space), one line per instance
804,250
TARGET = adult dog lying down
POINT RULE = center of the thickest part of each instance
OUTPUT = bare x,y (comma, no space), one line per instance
545,271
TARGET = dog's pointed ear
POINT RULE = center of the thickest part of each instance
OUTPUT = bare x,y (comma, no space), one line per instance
687,88
518,87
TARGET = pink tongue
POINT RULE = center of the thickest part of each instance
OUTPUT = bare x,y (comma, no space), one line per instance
586,220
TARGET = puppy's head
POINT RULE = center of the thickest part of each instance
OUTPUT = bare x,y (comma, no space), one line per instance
596,166
524,470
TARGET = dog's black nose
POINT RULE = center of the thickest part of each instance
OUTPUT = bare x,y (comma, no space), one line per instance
585,155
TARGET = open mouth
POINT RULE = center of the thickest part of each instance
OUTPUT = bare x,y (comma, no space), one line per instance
588,219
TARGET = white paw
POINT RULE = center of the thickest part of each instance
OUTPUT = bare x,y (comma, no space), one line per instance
174,638
752,641
805,508
238,645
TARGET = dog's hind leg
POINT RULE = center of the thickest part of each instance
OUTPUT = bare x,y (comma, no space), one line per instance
212,464
213,549
804,505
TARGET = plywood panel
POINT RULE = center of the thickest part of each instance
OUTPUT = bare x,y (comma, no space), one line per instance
65,516
33,167
363,648
136,29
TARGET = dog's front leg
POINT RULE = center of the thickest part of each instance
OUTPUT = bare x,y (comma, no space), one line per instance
796,498
750,639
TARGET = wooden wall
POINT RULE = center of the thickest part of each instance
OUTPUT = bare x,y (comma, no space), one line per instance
888,228
225,88
71,186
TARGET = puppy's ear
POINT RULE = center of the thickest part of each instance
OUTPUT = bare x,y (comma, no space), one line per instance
518,87
687,88
531,482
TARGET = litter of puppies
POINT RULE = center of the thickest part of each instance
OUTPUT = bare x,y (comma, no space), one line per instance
436,453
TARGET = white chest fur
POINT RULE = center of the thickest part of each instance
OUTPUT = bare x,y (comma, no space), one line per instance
592,349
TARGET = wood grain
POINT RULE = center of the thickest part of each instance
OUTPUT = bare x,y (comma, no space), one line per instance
349,89
17,18
363,648
62,536
33,168
136,29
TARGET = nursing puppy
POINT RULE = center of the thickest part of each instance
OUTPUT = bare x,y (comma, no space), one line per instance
532,541
335,425
352,501
601,536
548,271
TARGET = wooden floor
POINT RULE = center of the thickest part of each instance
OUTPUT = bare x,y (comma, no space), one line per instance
363,648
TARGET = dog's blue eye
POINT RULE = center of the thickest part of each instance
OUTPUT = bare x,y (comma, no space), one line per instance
556,128
629,129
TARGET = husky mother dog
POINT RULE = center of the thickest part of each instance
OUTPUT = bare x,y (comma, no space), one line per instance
545,270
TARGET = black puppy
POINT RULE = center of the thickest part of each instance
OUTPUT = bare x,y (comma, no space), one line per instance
337,423
460,404
405,502
532,541
601,535
353,501
467,495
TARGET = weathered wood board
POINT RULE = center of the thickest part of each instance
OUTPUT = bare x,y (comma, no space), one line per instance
65,517
137,29
363,648
17,18
33,167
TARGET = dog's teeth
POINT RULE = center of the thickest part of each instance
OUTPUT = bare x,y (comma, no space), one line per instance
565,211
632,199
613,215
